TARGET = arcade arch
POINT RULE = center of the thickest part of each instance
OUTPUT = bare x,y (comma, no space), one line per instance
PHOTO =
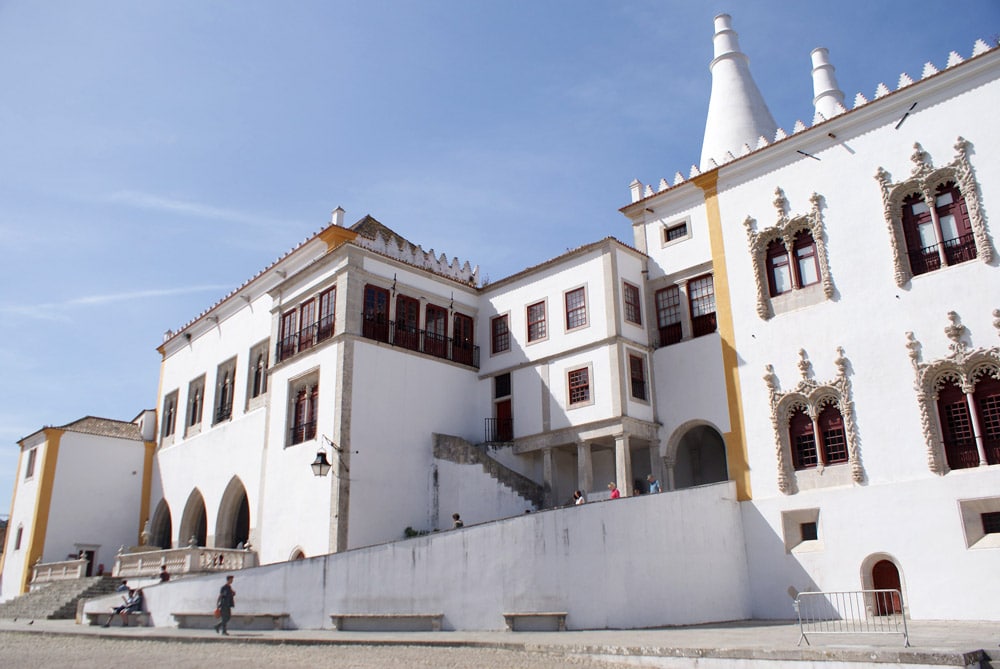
696,455
232,526
194,521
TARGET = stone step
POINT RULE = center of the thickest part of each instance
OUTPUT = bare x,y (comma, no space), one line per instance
57,600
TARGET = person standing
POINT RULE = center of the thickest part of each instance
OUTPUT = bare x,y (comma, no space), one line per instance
578,498
613,487
654,484
164,574
225,604
457,521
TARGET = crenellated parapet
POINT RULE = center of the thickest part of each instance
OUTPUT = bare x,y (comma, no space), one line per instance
416,256
833,108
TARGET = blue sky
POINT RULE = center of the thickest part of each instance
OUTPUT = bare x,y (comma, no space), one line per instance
156,154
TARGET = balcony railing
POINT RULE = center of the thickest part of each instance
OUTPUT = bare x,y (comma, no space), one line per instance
703,325
303,432
405,336
294,343
961,453
66,570
960,249
499,430
956,251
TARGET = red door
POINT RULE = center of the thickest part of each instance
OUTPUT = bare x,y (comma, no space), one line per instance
885,576
376,314
505,422
462,335
407,312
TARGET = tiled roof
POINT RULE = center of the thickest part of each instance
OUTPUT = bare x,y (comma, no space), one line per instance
369,227
104,427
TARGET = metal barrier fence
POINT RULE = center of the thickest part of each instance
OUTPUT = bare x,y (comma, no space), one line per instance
851,612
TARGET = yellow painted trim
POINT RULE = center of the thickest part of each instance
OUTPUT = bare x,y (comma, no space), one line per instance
43,503
147,488
335,235
736,446
10,517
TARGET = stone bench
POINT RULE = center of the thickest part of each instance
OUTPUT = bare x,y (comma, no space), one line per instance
537,621
238,621
387,622
137,618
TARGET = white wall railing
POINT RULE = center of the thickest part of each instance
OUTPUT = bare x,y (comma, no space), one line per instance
188,560
66,570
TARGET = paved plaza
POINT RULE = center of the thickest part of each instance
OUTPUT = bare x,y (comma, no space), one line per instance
48,643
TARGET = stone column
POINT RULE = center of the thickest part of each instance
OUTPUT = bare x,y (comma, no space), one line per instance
623,465
584,467
668,466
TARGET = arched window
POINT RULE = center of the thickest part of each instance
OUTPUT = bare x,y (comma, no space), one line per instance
779,274
806,261
987,401
956,427
803,440
833,435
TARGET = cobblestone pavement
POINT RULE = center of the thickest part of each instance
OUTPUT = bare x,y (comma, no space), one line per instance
40,651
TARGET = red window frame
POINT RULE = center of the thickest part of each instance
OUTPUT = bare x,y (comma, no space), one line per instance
578,381
376,313
287,334
327,314
637,376
802,437
668,315
407,332
576,308
462,334
701,297
805,253
307,324
436,331
956,423
536,321
777,260
833,435
500,334
923,259
962,247
987,399
170,414
632,300
304,414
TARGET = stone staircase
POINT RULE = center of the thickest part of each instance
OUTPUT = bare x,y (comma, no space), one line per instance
57,601
458,450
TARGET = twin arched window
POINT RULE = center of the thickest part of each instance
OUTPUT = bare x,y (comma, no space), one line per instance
967,418
940,236
819,441
789,271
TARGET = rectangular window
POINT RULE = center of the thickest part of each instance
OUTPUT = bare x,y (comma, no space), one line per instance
633,309
810,532
579,386
462,348
304,395
169,415
287,334
668,315
225,378
673,233
637,375
701,294
501,385
307,324
17,538
576,308
991,522
375,316
327,314
436,331
407,323
29,470
499,334
536,322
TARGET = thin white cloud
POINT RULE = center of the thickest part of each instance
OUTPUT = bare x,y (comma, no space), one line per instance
56,311
187,208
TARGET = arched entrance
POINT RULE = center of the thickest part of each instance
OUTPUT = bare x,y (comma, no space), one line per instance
885,576
160,527
232,528
699,457
194,521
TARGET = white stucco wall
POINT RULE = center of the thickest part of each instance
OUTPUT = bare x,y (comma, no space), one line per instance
472,493
22,515
685,564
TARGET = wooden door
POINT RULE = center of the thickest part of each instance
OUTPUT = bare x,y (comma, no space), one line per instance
885,576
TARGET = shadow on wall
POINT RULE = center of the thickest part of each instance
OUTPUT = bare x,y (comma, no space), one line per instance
701,458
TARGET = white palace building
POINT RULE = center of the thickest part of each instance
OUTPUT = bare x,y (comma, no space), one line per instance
799,339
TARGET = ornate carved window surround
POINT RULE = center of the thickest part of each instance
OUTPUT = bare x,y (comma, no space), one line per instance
812,397
785,230
963,366
924,180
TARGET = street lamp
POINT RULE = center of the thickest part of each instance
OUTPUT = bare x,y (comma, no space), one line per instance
320,465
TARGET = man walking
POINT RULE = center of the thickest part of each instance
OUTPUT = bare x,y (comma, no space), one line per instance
225,604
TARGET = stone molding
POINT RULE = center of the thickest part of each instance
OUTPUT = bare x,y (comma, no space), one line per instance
813,397
924,179
963,366
785,229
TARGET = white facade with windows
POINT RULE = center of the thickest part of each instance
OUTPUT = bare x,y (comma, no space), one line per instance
793,322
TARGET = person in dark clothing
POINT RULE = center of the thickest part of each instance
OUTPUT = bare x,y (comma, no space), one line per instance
225,604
